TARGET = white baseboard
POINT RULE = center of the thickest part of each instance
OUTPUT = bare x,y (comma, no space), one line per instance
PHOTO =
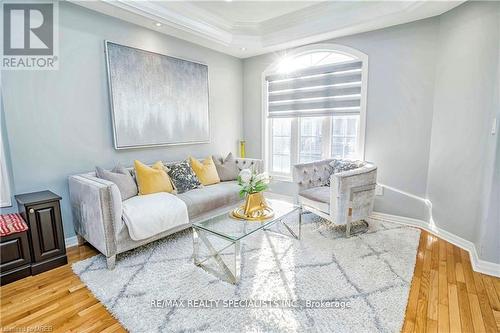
478,265
71,241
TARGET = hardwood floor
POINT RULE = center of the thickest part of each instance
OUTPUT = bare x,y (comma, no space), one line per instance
446,295
55,301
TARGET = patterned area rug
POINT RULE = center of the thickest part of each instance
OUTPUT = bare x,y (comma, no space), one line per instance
324,282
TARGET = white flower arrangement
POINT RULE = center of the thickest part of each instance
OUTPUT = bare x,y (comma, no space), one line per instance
252,182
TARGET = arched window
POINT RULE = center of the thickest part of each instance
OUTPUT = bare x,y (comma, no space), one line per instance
314,107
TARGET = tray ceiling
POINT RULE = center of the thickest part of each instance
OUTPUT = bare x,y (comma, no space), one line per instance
252,11
248,28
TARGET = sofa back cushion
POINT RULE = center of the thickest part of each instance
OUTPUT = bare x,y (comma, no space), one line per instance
227,168
152,179
203,201
183,176
122,178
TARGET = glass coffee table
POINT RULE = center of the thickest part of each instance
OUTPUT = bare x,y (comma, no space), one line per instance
232,230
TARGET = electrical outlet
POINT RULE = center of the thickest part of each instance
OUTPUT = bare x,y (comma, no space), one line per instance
494,127
379,190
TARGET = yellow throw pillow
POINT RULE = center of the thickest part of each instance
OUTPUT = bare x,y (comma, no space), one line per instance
205,171
152,179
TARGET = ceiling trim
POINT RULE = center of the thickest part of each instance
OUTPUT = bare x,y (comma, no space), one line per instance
172,18
319,22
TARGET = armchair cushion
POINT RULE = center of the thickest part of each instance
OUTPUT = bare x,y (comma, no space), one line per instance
312,174
343,165
320,193
316,197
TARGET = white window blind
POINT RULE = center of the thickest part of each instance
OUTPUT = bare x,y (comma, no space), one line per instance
316,91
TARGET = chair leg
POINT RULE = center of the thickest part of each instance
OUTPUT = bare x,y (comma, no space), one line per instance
348,224
111,262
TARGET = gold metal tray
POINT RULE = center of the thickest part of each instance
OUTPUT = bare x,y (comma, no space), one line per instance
261,215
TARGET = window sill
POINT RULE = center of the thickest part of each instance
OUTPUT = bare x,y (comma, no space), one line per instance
6,204
281,178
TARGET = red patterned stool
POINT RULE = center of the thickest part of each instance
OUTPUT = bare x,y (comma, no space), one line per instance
15,258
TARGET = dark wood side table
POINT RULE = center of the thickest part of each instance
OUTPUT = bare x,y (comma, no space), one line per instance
42,212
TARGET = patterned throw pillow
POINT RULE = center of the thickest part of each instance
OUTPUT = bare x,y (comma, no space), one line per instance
183,177
343,165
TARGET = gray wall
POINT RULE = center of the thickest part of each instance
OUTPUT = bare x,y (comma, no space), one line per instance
462,157
5,142
487,239
399,110
433,92
59,121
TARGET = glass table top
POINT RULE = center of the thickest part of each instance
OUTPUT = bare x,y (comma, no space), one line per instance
234,229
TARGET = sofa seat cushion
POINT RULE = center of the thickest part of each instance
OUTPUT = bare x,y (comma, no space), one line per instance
316,197
151,214
207,198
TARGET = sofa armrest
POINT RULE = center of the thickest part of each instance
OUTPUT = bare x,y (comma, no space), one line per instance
254,164
97,211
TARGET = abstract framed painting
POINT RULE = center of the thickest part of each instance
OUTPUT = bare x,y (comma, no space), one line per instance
156,100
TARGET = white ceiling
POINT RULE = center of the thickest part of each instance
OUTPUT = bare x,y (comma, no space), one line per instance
247,28
252,11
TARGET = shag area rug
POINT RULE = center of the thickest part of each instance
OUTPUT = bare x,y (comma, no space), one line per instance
321,283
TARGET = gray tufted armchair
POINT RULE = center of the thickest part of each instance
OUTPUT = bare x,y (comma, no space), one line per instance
349,197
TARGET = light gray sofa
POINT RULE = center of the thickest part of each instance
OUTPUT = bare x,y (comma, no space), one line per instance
349,197
97,209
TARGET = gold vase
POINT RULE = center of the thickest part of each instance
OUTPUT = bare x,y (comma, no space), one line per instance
255,202
255,208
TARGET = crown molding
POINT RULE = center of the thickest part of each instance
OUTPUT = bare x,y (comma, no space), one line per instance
170,17
319,22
